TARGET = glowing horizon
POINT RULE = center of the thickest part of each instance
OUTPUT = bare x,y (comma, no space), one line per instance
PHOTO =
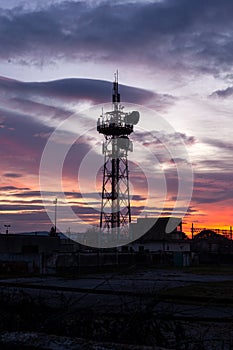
54,65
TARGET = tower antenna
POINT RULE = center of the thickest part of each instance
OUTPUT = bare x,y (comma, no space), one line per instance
116,126
116,99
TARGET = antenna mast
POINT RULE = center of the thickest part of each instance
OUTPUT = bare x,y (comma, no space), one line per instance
116,126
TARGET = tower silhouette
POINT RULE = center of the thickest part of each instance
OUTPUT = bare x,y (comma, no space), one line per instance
116,126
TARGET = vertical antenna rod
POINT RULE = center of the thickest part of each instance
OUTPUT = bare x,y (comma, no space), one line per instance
116,96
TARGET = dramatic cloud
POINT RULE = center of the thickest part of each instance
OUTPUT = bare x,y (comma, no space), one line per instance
26,124
177,51
28,94
179,32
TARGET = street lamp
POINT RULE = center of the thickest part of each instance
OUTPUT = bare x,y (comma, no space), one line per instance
7,228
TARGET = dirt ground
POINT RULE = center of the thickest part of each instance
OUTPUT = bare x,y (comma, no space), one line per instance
172,309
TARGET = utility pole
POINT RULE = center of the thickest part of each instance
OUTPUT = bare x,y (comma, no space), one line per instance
55,215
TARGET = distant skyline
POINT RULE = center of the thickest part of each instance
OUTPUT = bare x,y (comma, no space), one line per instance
58,59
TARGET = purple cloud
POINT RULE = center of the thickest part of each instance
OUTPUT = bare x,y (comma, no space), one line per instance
24,95
12,175
166,33
225,93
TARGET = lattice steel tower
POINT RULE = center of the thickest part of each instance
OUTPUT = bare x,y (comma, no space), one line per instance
116,126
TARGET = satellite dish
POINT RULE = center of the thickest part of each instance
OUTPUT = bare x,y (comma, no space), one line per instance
132,118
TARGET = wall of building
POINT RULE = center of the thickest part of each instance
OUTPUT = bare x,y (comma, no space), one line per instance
172,246
17,243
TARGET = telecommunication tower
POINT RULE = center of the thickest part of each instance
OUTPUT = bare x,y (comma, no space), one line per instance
116,126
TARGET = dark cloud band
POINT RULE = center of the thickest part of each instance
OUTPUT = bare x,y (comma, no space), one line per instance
172,34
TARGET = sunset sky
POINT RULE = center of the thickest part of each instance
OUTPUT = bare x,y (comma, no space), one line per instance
57,64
